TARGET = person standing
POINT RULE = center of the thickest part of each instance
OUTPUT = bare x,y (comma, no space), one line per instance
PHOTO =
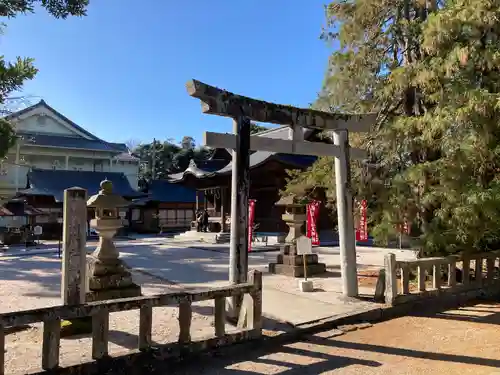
205,220
199,221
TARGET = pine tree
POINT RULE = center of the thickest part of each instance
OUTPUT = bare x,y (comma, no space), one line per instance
431,70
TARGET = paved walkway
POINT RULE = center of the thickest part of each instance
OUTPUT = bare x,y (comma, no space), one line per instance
463,341
198,268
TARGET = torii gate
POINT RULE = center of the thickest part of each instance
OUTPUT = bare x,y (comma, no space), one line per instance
243,110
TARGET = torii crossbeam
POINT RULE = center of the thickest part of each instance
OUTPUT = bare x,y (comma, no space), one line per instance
243,110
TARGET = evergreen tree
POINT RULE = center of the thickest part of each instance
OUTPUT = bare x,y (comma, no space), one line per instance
430,70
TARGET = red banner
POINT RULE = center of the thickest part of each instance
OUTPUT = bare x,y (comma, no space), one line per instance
312,218
406,226
251,217
362,231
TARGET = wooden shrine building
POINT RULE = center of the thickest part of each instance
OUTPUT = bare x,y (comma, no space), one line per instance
268,172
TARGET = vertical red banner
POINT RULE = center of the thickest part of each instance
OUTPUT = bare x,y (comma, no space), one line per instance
406,226
312,218
362,232
251,217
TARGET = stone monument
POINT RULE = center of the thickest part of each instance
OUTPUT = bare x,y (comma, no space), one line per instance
288,262
107,276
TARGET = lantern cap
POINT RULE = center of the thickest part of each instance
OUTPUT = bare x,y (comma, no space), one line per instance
291,200
105,198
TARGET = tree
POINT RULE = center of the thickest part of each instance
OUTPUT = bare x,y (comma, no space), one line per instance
431,72
168,157
188,143
14,74
254,128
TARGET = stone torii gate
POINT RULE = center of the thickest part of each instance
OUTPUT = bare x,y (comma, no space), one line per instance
243,110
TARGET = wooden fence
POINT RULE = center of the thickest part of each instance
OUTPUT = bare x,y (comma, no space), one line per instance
434,276
99,311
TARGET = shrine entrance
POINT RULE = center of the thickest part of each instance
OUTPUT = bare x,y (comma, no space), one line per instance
216,202
243,110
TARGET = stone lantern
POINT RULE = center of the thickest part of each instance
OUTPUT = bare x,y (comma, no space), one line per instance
107,276
288,262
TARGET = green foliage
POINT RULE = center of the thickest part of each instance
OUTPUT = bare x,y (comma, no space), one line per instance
14,74
432,72
168,157
254,128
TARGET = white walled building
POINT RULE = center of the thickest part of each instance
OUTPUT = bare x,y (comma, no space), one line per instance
49,140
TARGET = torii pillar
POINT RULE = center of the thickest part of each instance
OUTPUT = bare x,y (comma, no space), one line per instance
243,110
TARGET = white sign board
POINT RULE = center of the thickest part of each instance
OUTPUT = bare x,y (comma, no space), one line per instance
38,230
122,214
304,245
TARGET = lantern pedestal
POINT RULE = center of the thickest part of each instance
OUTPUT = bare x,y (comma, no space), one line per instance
288,262
107,276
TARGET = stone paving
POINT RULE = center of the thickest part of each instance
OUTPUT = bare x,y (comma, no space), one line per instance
282,300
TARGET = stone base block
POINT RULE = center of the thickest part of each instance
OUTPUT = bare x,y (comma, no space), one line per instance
132,290
297,271
96,267
306,286
296,260
116,281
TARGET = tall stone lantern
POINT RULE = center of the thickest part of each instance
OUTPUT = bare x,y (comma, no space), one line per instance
288,262
107,276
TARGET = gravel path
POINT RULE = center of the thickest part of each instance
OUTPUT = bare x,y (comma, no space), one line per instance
33,282
463,341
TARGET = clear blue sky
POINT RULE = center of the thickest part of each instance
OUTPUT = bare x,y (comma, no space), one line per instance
121,71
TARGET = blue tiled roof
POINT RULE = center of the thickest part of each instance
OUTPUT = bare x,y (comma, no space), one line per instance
164,191
70,142
53,183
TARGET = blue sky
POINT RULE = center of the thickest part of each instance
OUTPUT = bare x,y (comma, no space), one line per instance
121,71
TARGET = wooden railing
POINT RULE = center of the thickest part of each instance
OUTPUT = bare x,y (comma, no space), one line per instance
251,292
441,273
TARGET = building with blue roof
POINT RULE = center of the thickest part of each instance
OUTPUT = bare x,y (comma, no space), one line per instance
49,140
166,207
53,153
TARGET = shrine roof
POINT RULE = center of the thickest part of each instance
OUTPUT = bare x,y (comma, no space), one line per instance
164,191
256,159
48,182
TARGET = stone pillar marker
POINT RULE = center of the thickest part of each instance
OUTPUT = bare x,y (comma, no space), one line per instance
289,262
74,253
108,277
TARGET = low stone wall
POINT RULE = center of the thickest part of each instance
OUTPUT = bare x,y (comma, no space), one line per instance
250,327
407,281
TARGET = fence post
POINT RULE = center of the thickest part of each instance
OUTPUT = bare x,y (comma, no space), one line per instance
391,286
74,253
254,316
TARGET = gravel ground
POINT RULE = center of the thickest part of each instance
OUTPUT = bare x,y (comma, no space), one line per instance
463,341
34,282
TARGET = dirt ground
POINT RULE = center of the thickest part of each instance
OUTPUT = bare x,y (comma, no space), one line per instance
462,341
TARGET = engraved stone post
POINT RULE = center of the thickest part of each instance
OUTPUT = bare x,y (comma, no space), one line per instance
107,276
74,254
